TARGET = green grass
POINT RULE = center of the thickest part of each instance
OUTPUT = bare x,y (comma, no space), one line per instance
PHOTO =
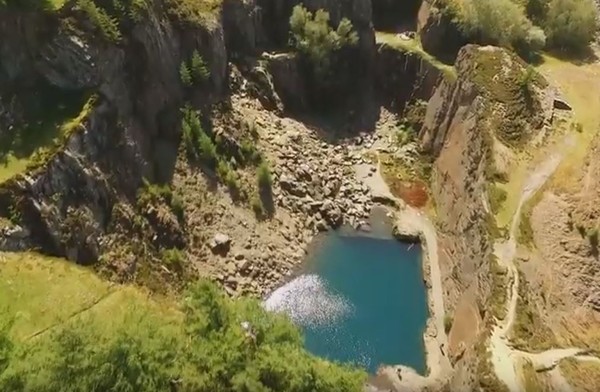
68,330
201,12
41,292
525,230
578,83
497,196
414,46
51,115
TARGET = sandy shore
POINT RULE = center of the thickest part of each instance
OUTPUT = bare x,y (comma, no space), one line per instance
413,224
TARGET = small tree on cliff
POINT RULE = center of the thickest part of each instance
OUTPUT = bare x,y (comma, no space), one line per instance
313,37
185,75
200,71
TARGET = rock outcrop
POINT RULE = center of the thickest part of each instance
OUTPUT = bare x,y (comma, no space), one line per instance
438,34
458,133
403,77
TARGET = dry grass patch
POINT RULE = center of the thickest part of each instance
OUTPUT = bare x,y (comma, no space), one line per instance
529,331
533,381
583,376
579,84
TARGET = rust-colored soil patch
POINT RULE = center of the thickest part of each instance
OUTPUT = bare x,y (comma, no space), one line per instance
413,193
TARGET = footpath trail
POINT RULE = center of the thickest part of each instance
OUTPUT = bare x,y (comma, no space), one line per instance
505,358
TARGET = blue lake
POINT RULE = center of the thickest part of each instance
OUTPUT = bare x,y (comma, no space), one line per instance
360,300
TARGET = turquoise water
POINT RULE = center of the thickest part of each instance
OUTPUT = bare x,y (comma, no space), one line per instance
361,300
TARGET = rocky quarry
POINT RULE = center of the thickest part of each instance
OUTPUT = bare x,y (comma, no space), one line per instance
80,197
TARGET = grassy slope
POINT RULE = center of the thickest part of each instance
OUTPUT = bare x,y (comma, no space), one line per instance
50,113
582,376
414,46
40,293
579,84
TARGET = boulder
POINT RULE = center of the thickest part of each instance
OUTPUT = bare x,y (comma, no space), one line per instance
220,243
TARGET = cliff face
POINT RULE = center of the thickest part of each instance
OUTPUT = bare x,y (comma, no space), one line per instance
459,130
131,131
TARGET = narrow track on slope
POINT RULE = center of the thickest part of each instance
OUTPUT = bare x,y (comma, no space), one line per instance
504,357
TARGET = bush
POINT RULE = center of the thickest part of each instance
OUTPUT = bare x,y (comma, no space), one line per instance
313,37
250,152
108,25
265,180
571,24
177,206
207,149
151,194
191,130
499,22
448,321
173,259
197,142
223,170
257,205
535,39
185,74
200,71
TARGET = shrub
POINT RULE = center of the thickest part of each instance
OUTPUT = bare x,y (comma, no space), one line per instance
200,71
232,181
500,22
223,170
257,205
404,134
312,36
537,10
250,152
108,25
448,321
265,180
535,39
177,206
526,80
207,149
173,259
571,24
185,74
153,193
191,130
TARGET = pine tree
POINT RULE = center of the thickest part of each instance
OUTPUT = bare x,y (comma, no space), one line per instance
185,74
200,72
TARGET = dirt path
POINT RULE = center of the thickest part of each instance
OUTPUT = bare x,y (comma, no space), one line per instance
504,357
